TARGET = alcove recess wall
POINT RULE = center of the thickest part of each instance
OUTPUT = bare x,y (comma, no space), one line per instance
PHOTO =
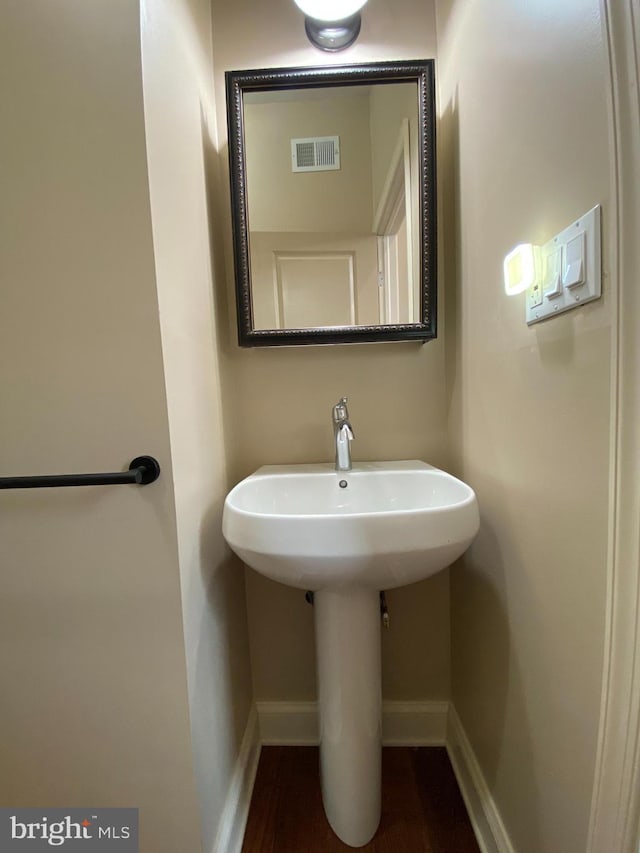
277,402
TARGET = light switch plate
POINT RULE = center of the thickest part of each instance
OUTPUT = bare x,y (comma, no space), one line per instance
557,298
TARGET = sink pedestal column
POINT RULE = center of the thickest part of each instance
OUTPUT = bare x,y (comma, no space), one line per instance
350,706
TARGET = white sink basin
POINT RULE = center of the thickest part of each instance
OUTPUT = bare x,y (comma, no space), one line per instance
392,524
346,535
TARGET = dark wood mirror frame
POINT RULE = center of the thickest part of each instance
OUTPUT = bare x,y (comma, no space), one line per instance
239,82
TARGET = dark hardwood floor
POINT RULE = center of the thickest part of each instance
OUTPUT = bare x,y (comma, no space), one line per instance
422,809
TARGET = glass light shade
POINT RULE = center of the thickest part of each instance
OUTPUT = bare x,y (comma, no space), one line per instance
330,10
520,269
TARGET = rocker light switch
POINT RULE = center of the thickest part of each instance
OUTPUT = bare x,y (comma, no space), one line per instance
574,262
552,281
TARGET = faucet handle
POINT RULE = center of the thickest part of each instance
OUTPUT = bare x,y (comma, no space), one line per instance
340,411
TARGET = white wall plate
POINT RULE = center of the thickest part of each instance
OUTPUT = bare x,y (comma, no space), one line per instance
570,269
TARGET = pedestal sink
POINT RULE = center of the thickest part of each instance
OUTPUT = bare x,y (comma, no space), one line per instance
346,535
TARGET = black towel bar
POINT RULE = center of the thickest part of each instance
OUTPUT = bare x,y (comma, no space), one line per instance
143,470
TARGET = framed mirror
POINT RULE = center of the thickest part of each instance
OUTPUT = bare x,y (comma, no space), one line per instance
333,203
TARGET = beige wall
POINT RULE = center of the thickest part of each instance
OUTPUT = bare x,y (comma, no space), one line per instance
94,703
333,200
180,123
278,401
524,127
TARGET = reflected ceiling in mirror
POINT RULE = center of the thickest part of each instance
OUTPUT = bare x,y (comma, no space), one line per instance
333,203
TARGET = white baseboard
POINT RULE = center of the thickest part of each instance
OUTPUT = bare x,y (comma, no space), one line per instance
414,723
288,723
487,824
403,723
236,809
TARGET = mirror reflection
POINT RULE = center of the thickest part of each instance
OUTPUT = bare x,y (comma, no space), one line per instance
333,205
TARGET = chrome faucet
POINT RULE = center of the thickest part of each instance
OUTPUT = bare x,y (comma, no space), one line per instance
342,434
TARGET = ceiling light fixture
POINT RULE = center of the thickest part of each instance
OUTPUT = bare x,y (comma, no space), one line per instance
331,24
